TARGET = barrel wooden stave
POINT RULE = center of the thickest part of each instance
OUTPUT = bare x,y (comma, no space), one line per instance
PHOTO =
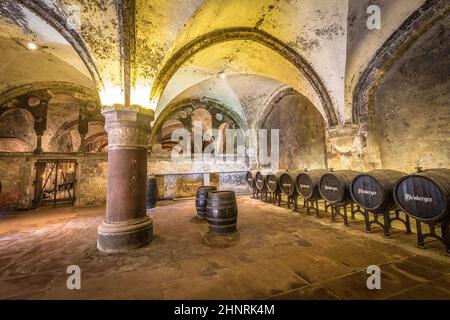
250,178
261,179
273,181
222,212
425,196
201,200
287,182
373,190
152,192
335,186
307,183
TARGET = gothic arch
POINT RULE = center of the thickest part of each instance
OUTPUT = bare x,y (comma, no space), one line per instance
271,102
412,28
55,87
243,33
58,20
193,101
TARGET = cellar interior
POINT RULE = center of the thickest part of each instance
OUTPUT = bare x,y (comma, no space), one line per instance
114,114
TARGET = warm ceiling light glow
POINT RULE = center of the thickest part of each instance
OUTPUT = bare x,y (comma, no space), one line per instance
32,46
140,95
111,94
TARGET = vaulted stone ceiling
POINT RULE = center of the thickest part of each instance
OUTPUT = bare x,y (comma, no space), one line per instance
150,52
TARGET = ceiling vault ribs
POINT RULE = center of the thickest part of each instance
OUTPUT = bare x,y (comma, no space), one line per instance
52,86
58,20
171,66
127,26
271,102
194,101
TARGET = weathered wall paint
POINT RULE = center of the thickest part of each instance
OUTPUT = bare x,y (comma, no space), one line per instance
412,110
302,133
17,174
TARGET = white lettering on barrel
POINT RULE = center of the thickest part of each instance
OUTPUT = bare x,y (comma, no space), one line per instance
305,186
334,189
409,197
368,192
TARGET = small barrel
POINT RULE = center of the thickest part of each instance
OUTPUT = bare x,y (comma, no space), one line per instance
335,186
221,212
152,192
308,184
425,196
287,182
201,200
373,190
250,178
273,181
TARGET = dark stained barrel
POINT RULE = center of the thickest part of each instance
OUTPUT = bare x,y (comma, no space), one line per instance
273,181
335,186
260,179
201,200
373,190
425,195
222,212
152,192
308,184
250,178
287,182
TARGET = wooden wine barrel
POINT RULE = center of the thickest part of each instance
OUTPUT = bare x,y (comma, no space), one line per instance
287,182
335,186
273,181
221,212
373,190
260,179
152,192
425,195
250,178
308,184
201,200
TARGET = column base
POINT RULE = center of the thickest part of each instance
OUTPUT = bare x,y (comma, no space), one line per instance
123,236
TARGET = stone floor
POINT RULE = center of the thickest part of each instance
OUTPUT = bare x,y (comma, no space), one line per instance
280,255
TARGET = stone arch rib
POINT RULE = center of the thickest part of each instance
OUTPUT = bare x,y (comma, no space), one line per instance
193,101
58,20
54,86
243,33
270,103
403,38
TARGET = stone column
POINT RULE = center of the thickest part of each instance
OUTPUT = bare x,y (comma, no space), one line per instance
40,124
126,224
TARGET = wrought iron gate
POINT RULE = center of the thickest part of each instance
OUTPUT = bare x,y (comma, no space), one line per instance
55,182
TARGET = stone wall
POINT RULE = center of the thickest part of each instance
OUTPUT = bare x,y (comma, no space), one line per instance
182,178
16,179
17,175
302,133
411,105
92,177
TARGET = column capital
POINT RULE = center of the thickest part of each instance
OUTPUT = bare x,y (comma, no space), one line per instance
127,126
